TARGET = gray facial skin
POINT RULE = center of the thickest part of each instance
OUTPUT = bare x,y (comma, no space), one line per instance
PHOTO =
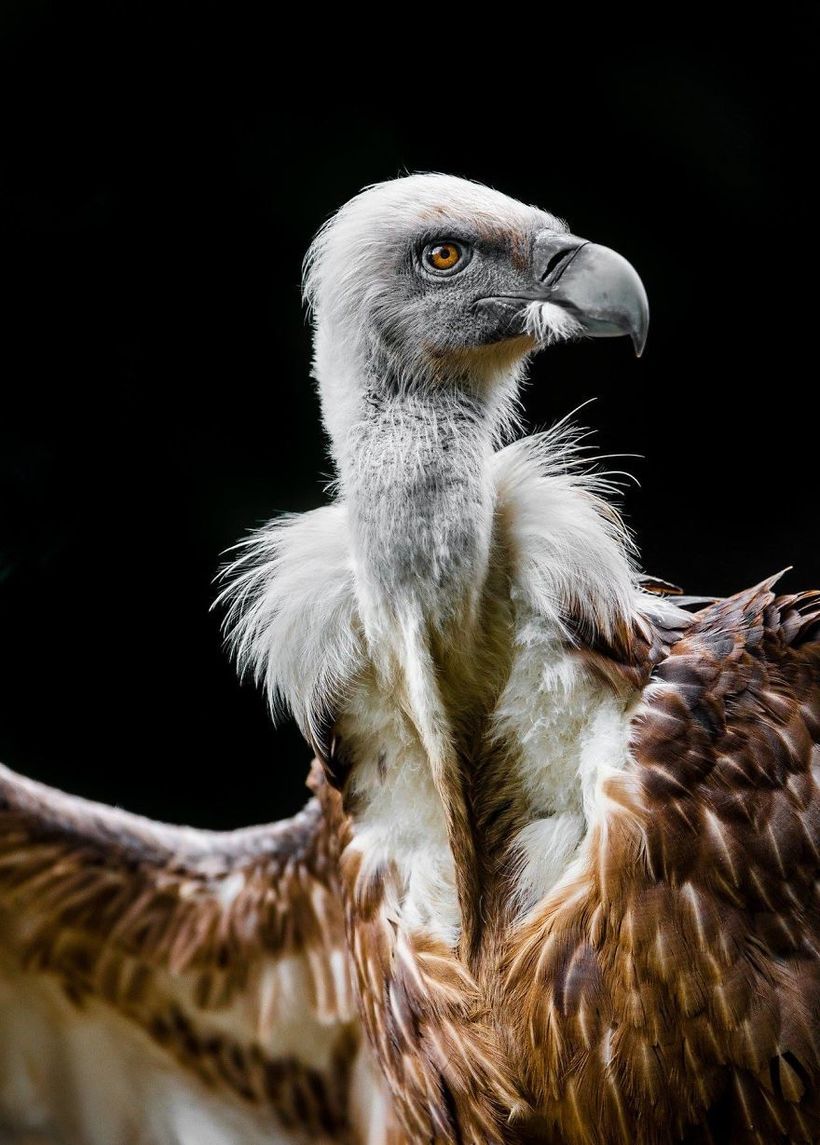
482,299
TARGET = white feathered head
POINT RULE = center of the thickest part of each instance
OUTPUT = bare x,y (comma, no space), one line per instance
430,280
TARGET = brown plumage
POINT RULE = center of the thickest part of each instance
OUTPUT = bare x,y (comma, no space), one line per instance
670,991
174,929
673,992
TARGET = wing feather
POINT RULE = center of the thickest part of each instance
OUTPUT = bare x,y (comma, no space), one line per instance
180,899
223,951
673,991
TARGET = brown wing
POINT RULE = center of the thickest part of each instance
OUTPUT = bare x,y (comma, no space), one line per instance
225,950
673,991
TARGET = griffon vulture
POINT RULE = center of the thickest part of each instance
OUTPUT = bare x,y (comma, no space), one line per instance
557,881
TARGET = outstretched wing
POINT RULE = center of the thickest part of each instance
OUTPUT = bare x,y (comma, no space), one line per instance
672,992
162,983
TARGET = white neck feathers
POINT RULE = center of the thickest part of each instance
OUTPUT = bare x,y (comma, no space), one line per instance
296,600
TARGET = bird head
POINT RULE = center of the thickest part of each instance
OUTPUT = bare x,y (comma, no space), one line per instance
430,281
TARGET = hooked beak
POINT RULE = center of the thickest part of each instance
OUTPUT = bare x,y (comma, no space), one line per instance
594,284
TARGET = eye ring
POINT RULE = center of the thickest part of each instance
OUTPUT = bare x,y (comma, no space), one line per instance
445,257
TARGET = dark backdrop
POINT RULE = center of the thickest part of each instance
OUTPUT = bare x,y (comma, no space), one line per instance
159,187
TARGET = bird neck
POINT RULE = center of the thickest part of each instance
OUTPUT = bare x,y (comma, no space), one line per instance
420,497
418,486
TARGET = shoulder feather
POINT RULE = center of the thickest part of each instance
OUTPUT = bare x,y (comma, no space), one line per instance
684,959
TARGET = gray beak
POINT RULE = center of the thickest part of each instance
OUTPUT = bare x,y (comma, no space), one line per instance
595,284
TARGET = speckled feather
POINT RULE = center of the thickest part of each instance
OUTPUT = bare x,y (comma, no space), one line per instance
669,990
205,942
672,990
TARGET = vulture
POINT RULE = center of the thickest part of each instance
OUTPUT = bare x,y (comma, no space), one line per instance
557,878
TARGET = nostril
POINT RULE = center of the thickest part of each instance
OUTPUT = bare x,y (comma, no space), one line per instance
555,261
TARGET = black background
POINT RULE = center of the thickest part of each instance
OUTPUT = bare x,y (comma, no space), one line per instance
160,182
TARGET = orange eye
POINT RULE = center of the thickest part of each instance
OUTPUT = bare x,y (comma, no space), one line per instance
444,256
